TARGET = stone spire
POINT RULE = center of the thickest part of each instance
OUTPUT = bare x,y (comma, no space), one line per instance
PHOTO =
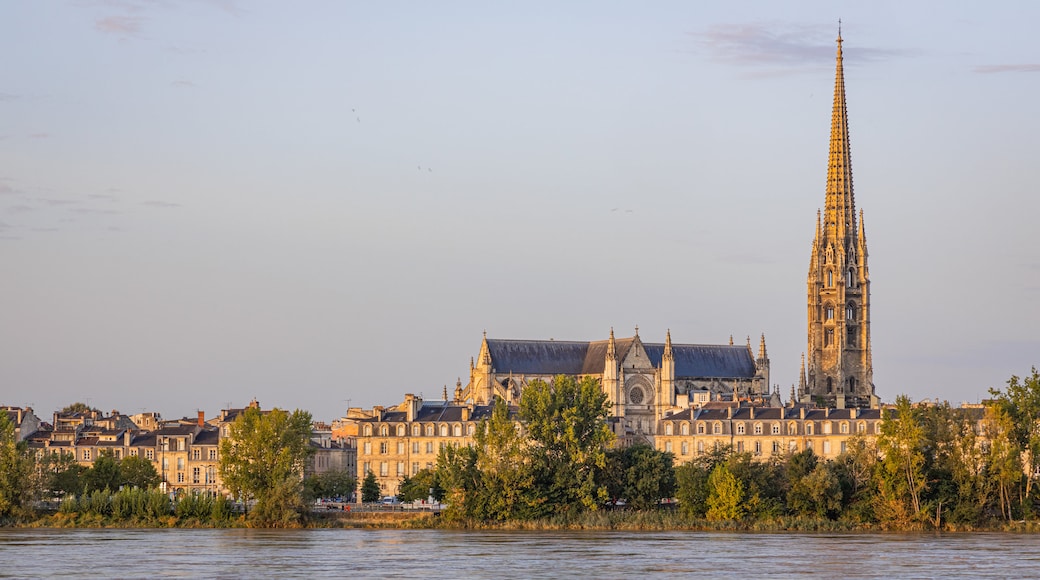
611,347
667,344
840,213
762,347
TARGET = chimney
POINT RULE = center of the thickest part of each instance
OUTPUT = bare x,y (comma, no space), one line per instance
409,403
729,412
202,418
801,412
465,413
852,413
127,436
752,410
826,412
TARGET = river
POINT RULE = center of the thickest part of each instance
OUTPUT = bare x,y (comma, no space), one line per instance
235,553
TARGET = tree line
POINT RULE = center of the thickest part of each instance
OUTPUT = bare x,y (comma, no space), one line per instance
931,467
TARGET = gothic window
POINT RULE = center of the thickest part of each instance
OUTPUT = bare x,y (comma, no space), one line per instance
830,385
635,396
851,280
828,339
850,311
830,312
830,278
851,340
852,384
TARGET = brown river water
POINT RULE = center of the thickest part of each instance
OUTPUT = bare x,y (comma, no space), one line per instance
237,553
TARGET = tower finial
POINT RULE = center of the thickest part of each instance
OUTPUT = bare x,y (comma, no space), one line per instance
839,30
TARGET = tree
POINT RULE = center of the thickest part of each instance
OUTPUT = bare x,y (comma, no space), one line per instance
263,459
566,423
1018,407
691,480
63,475
420,487
725,495
817,493
77,407
16,470
370,492
138,472
901,471
335,483
104,475
641,475
506,478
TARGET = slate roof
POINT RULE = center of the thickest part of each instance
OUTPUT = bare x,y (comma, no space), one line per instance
437,411
552,357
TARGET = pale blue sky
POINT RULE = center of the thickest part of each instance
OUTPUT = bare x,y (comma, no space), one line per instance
316,202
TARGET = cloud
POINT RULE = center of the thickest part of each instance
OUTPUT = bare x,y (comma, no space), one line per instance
181,84
781,47
157,203
1002,68
39,135
120,25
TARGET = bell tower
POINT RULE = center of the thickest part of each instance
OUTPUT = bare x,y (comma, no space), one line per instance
840,371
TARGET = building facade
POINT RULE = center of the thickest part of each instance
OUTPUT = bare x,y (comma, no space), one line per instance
840,370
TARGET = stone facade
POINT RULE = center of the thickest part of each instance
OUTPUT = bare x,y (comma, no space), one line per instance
840,369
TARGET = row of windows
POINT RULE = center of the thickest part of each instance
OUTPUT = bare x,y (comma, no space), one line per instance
774,428
418,430
385,447
756,447
399,466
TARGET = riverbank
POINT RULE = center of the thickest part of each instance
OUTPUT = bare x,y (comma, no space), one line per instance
629,521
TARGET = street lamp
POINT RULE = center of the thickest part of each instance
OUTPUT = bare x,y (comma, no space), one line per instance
165,443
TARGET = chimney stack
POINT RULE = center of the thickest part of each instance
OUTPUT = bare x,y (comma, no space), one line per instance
202,418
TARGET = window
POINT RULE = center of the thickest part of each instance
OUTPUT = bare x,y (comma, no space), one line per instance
776,447
469,429
133,452
456,430
758,428
415,446
196,475
685,448
180,444
212,454
667,446
851,339
367,448
829,313
740,446
667,428
149,454
211,475
684,429
383,447
700,447
861,427
776,429
400,430
758,448
826,427
180,477
851,280
180,463
793,447
384,430
808,428
86,455
828,337
416,430
844,446
741,428
196,454
826,447
808,445
368,430
444,430
118,453
429,430
400,468
844,428
429,446
415,467
367,467
850,311
716,428
700,428
830,278
400,447
792,428
384,469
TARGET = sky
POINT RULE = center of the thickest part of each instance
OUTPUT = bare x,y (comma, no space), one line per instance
322,204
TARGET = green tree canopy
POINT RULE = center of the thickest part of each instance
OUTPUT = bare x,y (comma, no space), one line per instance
16,470
264,458
104,475
640,474
370,491
138,472
334,483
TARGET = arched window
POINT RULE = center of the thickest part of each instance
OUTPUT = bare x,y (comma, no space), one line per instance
716,428
400,430
775,429
667,428
844,428
829,312
850,311
808,428
384,430
758,428
457,430
861,427
368,430
740,428
469,429
444,430
429,430
830,278
792,428
416,430
851,280
684,428
700,428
